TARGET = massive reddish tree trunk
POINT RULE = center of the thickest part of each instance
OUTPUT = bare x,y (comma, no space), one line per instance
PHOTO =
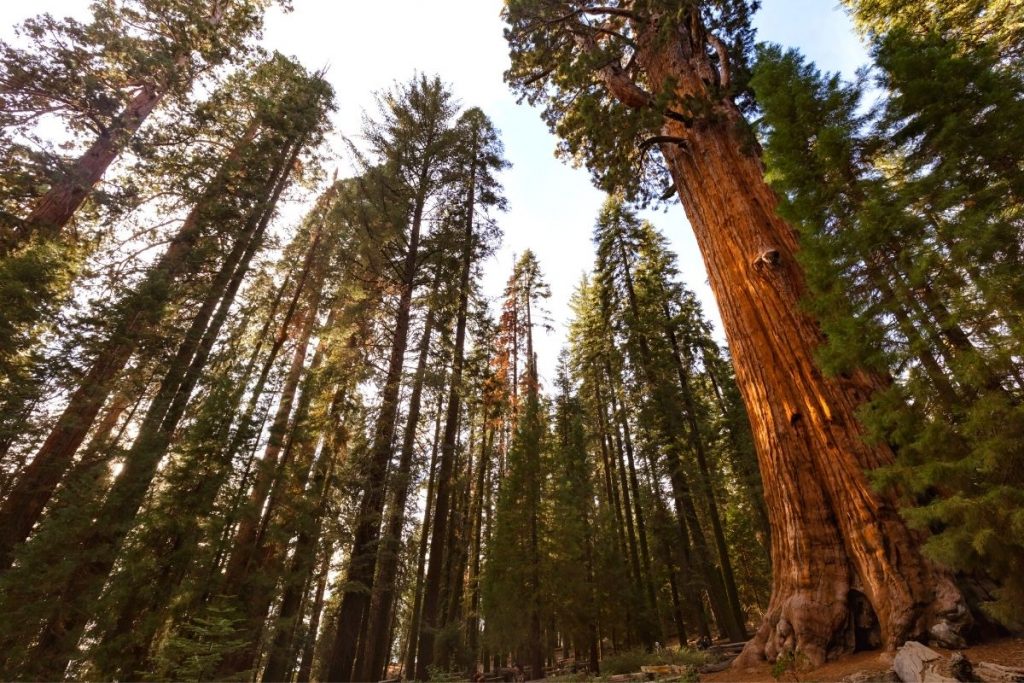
834,538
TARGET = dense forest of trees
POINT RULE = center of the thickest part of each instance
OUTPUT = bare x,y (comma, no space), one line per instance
238,447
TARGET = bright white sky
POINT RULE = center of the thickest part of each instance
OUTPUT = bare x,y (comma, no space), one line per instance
367,44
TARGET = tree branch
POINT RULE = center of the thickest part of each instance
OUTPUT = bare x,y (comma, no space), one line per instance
538,76
724,78
659,139
621,86
617,11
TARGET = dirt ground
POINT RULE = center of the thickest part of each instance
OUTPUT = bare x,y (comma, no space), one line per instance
1005,651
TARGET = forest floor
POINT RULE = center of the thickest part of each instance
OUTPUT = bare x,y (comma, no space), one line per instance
1005,651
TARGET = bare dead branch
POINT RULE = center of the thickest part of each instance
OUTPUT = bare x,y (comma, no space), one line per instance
724,78
616,11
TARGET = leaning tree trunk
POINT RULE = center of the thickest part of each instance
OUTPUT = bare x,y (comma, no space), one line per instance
834,536
247,537
143,310
55,209
103,541
194,498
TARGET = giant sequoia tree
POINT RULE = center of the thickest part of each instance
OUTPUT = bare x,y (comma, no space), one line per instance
71,73
162,48
910,217
237,448
619,79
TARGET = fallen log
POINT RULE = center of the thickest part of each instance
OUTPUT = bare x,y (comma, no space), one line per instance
663,669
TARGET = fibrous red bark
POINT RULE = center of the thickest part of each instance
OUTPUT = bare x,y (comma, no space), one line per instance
835,540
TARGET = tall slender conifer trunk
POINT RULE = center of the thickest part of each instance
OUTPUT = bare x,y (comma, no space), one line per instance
697,439
298,576
255,564
745,467
412,640
639,552
726,613
442,503
641,522
532,457
316,612
458,543
246,540
363,559
476,553
141,312
382,604
608,456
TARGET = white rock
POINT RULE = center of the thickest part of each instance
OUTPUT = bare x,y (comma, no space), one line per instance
917,663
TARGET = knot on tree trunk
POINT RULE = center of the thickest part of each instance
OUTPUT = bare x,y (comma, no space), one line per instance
767,258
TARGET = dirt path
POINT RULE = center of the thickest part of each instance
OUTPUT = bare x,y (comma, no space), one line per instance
1005,651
